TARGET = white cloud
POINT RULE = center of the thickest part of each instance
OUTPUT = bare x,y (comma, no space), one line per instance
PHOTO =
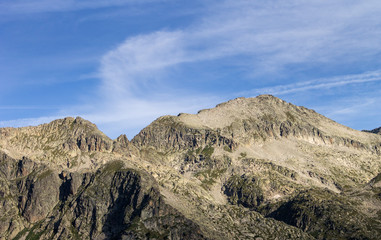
272,34
29,107
39,6
359,112
22,122
268,35
130,115
317,84
138,60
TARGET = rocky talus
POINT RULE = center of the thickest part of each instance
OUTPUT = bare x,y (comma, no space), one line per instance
251,168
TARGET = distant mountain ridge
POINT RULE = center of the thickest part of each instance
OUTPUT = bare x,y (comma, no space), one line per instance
376,130
250,168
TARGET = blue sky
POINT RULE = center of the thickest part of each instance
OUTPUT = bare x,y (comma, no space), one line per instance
123,63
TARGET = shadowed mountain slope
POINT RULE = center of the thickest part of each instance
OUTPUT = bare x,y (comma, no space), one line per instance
376,130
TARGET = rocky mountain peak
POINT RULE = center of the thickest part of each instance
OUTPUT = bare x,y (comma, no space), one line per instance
69,126
60,141
242,101
249,121
261,108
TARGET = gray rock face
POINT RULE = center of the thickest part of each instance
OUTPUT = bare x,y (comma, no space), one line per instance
166,133
244,190
113,203
326,215
38,195
122,145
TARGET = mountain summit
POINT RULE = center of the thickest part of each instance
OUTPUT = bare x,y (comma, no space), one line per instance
250,168
253,120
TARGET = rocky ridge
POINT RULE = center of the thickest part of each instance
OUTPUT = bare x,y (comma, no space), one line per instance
376,130
250,168
65,142
250,121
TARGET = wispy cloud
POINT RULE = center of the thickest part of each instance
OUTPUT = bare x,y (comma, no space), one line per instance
28,121
359,112
15,107
261,38
317,84
136,62
40,6
271,35
268,35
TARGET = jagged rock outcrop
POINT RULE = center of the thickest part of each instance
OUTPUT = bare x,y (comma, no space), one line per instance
92,143
244,190
118,203
29,192
60,142
320,212
376,181
122,145
167,133
113,203
63,142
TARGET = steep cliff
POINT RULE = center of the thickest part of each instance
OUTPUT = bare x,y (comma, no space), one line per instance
112,203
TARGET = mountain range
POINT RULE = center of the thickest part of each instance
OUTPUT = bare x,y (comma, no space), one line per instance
250,168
